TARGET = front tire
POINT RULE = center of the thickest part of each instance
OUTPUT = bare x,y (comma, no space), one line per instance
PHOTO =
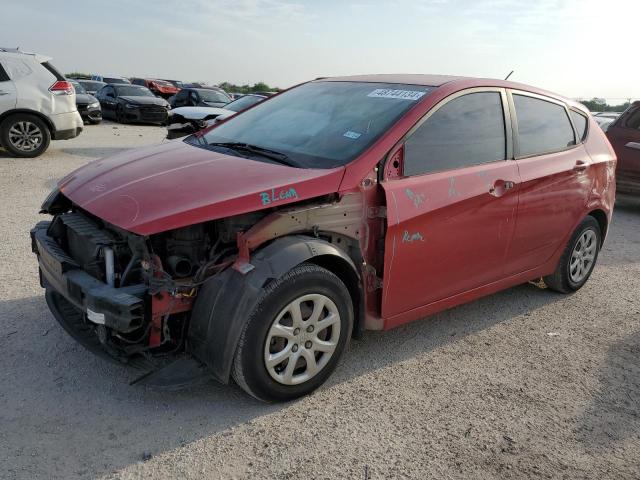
579,258
295,336
24,135
120,115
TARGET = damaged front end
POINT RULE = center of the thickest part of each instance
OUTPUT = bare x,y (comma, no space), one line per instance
125,296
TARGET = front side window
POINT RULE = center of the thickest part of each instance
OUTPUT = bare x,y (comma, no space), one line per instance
580,121
468,130
320,124
543,126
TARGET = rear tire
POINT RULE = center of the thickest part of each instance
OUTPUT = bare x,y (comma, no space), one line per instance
579,258
295,336
24,135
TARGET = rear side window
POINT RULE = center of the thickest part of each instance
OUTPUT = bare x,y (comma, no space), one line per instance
3,74
580,121
53,71
468,130
543,127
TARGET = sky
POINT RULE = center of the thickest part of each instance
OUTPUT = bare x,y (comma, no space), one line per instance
578,48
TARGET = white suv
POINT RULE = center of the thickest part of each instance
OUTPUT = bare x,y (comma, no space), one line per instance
37,104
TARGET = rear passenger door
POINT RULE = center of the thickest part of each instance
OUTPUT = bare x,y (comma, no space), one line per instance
554,171
451,212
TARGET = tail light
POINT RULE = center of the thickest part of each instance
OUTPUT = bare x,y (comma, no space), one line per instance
62,87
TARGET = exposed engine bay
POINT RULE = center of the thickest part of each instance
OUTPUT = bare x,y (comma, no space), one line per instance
169,266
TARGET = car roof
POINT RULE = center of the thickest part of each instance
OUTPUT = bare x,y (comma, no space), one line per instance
459,81
16,51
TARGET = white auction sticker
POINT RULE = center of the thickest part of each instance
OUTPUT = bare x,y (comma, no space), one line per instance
399,94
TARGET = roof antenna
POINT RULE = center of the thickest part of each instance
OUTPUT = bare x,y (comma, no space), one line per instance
507,77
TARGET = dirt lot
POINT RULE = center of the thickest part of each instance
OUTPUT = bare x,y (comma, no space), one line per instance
522,384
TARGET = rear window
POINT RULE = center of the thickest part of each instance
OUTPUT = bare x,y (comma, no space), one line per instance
53,71
3,74
580,121
543,127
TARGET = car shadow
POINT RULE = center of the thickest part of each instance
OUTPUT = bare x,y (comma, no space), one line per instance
94,152
58,391
612,415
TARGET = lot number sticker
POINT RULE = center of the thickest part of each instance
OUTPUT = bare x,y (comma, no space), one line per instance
399,94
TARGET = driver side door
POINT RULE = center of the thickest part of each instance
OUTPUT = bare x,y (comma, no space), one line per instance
451,210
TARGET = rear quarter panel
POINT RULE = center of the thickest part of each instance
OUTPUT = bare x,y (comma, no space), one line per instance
602,170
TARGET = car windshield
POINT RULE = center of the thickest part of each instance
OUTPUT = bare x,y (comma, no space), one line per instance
79,88
320,124
92,85
243,103
213,96
133,91
115,80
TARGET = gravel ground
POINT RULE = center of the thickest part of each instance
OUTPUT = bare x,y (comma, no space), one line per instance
522,384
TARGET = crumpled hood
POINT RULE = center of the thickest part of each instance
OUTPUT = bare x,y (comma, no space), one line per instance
175,184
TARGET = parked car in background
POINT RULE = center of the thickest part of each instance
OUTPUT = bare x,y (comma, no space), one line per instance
175,83
37,104
200,97
257,248
110,79
88,105
187,120
160,88
624,135
91,86
132,103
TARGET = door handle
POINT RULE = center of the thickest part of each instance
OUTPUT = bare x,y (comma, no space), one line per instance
500,187
580,165
634,145
3,93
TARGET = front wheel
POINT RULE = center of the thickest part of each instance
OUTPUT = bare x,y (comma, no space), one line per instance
579,258
120,115
295,336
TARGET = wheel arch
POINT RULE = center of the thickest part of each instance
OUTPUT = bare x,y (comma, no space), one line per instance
603,222
225,301
27,111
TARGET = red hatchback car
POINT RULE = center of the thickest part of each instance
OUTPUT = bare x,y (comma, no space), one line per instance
256,248
624,135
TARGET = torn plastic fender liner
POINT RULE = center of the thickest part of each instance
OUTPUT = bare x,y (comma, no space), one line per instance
225,301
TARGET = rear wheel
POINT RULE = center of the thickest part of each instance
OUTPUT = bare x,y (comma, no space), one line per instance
579,258
24,135
295,336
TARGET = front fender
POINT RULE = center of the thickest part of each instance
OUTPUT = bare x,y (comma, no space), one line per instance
225,301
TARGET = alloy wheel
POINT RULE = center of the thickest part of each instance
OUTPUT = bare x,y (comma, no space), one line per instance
583,256
25,136
302,339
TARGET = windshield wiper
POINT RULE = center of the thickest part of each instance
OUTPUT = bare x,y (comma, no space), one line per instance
265,152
